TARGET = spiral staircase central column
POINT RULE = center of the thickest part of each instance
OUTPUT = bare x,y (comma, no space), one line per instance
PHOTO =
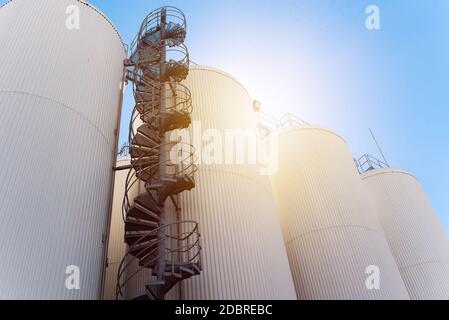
162,151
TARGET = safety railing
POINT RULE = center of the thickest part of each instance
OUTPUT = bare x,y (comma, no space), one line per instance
181,248
290,120
158,61
367,162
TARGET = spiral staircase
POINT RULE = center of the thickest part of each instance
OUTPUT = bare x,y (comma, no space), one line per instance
168,251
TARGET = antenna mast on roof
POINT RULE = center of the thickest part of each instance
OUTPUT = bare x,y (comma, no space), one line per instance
378,147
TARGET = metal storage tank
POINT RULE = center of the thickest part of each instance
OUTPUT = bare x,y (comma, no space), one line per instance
60,97
116,246
416,238
330,229
243,255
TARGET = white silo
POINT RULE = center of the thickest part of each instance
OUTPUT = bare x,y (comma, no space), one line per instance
243,255
60,93
331,231
116,246
416,238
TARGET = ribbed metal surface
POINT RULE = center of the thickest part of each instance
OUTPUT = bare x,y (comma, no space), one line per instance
116,246
59,96
243,255
416,238
330,229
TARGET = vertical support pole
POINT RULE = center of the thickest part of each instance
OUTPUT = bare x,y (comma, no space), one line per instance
162,172
179,242
378,147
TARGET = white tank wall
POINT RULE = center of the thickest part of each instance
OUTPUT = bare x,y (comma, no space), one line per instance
417,239
60,98
243,254
117,246
330,229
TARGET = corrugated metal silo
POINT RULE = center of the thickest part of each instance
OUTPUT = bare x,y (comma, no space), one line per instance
243,254
60,93
417,240
330,229
116,246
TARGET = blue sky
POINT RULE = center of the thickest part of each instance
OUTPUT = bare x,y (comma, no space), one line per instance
316,59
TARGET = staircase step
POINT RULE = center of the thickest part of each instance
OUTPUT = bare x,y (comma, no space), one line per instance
169,180
149,133
141,297
148,111
171,279
139,151
143,96
147,201
143,249
131,238
174,120
155,289
144,141
136,151
175,70
147,174
196,267
169,188
187,270
145,169
138,212
149,261
144,162
149,54
154,186
136,225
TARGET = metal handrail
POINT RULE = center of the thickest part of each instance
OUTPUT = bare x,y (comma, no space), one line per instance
179,50
153,20
267,121
178,55
158,61
132,179
183,248
290,120
172,14
368,162
184,167
124,150
178,97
